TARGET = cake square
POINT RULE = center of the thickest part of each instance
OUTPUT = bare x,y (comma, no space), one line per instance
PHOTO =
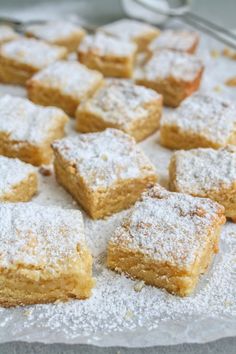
179,40
22,57
122,105
7,34
105,172
111,56
206,173
167,240
203,120
132,30
63,84
27,130
18,180
62,33
43,255
173,74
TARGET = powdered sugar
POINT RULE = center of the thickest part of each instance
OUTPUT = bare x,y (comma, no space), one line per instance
170,228
207,115
7,33
200,171
122,102
70,77
32,52
175,40
166,64
12,172
54,30
38,236
24,121
104,158
128,29
101,44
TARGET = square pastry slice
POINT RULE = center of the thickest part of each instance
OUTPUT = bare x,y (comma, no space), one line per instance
27,130
62,33
173,74
123,105
43,255
167,240
63,84
203,120
131,30
7,34
110,55
206,173
105,172
179,40
18,180
21,58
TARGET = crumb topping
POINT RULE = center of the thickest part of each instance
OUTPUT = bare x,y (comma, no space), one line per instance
104,158
128,29
166,64
175,40
122,102
54,30
70,77
12,172
208,115
39,236
101,44
169,227
23,121
32,52
199,171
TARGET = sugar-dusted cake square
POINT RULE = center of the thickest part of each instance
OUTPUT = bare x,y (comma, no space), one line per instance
206,173
7,34
18,180
173,74
44,257
63,84
203,120
167,240
110,55
132,30
22,57
58,32
179,40
122,105
27,130
105,172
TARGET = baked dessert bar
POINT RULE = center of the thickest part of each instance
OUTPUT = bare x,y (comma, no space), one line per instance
206,173
112,56
7,34
62,33
123,105
18,180
27,130
203,120
173,74
167,240
179,40
63,84
22,57
44,257
131,30
105,172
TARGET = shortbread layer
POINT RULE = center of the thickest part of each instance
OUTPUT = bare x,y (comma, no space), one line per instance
203,120
167,240
105,172
44,256
123,105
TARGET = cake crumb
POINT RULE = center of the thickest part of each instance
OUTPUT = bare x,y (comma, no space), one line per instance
231,81
214,53
217,88
229,53
45,171
139,285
